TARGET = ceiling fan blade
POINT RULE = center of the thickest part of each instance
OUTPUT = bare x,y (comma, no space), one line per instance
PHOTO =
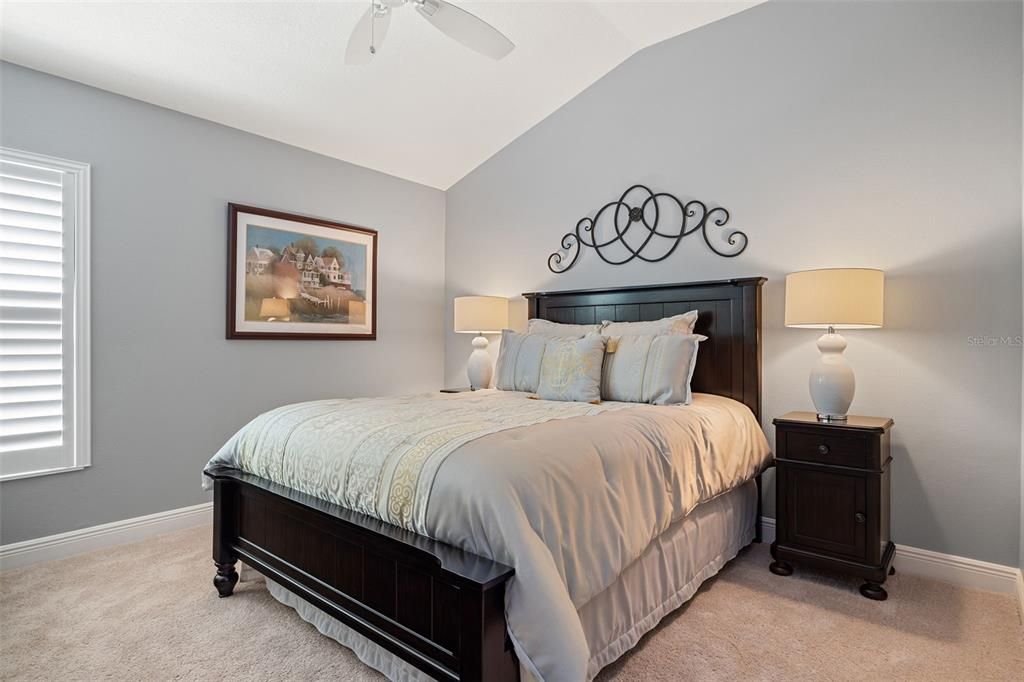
468,29
367,37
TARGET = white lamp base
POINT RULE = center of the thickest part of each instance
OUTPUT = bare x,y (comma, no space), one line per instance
479,369
832,383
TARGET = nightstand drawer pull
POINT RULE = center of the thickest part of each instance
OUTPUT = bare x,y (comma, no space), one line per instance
822,449
859,517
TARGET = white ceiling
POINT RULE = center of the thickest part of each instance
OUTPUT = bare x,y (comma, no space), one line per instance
426,109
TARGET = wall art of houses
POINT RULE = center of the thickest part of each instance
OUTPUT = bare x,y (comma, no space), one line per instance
292,276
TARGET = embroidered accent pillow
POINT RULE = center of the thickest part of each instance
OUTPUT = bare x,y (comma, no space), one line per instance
677,324
518,366
650,369
557,329
571,369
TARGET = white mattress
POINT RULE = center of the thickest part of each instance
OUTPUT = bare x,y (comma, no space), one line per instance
667,574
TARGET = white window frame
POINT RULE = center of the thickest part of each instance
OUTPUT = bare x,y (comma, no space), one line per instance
74,313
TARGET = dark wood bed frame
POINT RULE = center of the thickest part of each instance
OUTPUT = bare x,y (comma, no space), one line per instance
435,606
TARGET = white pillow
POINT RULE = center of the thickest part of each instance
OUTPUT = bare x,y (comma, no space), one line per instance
571,369
654,369
677,324
559,330
519,358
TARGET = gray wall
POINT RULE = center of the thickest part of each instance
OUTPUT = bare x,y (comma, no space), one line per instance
873,134
167,388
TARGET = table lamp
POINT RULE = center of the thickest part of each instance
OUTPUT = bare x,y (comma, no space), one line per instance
831,299
480,315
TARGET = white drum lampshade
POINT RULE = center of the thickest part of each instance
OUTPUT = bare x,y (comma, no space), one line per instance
831,299
480,315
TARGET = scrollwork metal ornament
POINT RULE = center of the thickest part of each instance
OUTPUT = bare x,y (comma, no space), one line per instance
643,209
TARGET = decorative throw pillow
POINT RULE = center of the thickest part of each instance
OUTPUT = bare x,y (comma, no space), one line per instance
518,366
651,369
677,324
557,329
571,369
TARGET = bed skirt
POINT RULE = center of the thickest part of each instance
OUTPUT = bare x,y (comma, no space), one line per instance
671,571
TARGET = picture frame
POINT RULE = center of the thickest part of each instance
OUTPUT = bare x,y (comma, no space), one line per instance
293,276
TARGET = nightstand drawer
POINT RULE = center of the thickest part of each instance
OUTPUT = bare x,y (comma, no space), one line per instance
837,449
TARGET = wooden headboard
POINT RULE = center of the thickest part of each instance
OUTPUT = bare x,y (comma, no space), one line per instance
729,362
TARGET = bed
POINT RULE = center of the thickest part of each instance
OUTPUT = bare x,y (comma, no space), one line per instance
414,607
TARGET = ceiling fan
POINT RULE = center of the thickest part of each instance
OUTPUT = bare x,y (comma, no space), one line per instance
468,29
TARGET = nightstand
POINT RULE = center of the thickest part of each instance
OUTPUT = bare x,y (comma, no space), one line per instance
456,390
832,483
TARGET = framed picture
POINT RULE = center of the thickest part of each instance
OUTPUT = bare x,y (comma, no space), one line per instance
295,277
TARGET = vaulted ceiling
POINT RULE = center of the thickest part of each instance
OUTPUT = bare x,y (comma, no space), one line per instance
427,108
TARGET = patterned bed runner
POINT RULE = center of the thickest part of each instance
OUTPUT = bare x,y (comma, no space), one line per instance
379,456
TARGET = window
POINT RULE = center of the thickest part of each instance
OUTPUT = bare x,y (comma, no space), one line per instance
44,315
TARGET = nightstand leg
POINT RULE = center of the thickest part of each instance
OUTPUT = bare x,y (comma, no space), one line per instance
892,570
780,568
874,591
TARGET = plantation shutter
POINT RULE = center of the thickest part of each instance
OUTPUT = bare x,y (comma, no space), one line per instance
38,206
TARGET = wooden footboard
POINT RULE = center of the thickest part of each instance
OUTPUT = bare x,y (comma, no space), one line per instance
435,606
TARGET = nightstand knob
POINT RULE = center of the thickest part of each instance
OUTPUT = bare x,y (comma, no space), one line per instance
860,518
822,449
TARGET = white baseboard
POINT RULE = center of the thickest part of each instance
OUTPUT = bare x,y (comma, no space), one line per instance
19,554
949,568
1020,594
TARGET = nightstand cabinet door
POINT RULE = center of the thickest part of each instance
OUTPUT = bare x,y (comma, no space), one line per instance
826,510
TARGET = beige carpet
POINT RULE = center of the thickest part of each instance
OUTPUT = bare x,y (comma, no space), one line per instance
149,612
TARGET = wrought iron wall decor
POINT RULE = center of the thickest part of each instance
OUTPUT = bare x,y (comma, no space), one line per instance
645,211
